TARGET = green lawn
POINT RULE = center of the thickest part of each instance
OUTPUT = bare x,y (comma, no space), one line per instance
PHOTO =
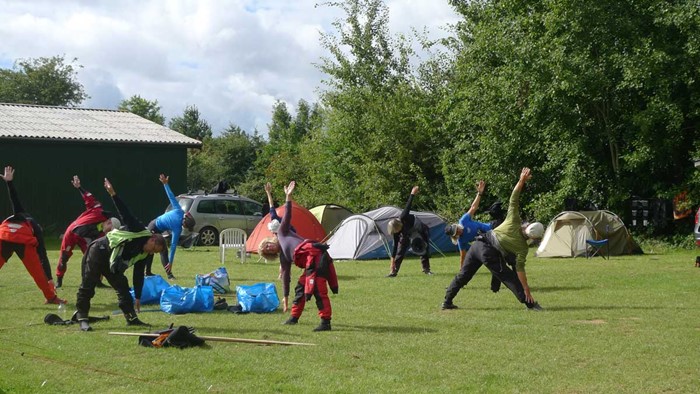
631,324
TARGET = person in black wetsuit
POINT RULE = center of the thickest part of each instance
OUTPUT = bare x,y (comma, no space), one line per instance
109,256
409,231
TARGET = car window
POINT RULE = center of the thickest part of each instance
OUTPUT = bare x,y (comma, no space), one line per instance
206,206
185,203
251,208
221,206
233,207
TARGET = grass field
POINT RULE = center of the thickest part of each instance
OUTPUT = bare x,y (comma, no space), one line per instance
631,324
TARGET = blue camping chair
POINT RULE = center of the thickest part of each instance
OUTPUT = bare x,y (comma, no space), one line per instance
599,247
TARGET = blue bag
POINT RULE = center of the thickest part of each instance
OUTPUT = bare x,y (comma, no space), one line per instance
217,279
176,300
258,298
153,286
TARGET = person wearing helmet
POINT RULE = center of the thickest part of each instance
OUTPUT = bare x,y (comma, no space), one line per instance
173,222
505,243
464,232
20,234
93,223
409,232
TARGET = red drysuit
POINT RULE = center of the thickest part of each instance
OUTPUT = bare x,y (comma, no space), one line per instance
318,275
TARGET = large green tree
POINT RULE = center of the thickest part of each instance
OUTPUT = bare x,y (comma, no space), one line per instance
42,81
371,148
600,100
144,108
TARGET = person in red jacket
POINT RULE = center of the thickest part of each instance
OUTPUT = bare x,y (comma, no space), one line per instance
318,274
22,235
93,223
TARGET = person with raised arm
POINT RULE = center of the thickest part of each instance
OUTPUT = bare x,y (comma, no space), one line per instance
173,221
463,232
409,232
20,234
93,223
507,242
110,256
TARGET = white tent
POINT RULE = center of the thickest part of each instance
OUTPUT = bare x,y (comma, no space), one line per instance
566,236
365,236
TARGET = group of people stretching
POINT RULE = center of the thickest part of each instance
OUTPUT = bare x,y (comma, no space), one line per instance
114,242
111,243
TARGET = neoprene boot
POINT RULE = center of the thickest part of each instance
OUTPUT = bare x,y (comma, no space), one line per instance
291,320
324,326
133,320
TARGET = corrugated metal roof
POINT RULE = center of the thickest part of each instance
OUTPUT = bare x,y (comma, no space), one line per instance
81,124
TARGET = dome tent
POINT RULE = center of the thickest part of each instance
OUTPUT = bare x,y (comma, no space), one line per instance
304,222
567,233
364,236
330,215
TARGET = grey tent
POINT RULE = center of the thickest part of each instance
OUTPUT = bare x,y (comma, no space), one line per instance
365,236
567,233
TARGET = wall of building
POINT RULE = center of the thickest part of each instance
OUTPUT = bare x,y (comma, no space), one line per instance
44,170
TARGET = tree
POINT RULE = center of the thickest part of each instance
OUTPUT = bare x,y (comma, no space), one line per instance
42,81
144,108
599,100
191,124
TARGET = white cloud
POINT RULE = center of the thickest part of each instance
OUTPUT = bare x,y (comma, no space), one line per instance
232,59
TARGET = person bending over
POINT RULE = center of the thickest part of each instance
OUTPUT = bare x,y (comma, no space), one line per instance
494,249
463,232
172,221
93,223
110,256
311,256
409,231
20,234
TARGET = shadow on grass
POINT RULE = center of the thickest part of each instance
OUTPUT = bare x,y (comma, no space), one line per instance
553,289
383,329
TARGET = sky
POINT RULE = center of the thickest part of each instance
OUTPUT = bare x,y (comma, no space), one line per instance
232,59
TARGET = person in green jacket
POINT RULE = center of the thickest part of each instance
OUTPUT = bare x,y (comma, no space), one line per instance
496,248
133,245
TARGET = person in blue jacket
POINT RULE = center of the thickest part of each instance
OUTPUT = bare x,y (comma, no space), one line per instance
463,232
172,221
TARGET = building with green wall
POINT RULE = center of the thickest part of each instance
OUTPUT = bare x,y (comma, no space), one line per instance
48,145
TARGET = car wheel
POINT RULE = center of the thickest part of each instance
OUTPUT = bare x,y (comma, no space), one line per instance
208,236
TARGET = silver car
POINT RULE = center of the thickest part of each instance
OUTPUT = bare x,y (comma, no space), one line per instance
216,212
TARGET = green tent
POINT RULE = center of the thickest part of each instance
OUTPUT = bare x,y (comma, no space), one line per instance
330,215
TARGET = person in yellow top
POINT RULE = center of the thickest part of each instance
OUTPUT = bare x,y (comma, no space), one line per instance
505,243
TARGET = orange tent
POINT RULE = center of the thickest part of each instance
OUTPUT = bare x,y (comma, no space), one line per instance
304,222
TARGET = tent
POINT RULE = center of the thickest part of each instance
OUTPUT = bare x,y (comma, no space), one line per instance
330,215
567,233
304,222
364,236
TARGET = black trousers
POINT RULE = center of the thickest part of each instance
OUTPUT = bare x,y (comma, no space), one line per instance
95,264
402,249
482,253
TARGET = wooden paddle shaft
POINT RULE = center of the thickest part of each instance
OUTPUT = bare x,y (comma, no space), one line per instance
220,339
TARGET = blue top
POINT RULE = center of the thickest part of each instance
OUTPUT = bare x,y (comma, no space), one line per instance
471,229
171,221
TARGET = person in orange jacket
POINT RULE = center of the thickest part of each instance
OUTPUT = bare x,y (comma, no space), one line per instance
20,234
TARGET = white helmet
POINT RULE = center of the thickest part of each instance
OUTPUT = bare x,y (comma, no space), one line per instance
274,226
115,223
534,230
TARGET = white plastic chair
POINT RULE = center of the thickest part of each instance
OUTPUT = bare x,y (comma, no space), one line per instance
232,238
